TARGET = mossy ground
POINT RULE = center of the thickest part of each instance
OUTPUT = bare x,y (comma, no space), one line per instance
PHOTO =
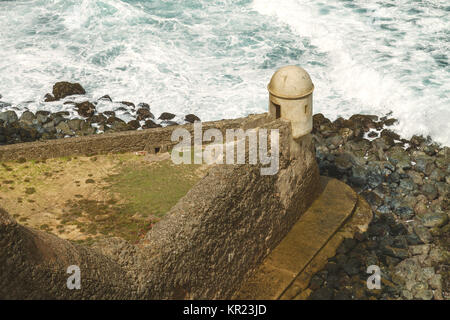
86,198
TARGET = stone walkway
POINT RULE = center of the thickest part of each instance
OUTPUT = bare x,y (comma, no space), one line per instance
338,213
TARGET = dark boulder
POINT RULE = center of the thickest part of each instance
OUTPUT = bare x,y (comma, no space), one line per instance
43,112
105,98
134,125
64,89
113,120
49,98
144,105
109,113
62,113
128,104
150,124
85,109
166,116
98,118
191,118
343,162
143,114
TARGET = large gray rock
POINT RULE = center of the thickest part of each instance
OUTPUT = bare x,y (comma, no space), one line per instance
9,117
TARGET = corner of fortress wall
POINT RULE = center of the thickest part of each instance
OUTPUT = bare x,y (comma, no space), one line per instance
207,244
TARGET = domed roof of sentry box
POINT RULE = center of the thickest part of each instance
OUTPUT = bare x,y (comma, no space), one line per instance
291,82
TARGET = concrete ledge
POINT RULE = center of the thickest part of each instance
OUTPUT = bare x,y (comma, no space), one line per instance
286,272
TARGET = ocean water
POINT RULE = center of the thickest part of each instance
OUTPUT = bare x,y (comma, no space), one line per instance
214,58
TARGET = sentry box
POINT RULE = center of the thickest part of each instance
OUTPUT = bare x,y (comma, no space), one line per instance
290,98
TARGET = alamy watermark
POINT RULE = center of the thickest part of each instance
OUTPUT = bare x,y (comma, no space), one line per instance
74,281
374,281
231,151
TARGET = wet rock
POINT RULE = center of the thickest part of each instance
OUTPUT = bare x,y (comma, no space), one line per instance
64,129
423,233
144,113
166,116
75,124
105,98
437,175
375,175
27,117
408,184
191,118
396,252
128,104
42,116
391,135
416,177
56,119
398,157
109,113
424,165
318,120
334,142
62,114
65,89
394,177
134,124
9,117
117,124
434,219
86,130
359,176
113,119
343,162
85,109
430,191
98,118
28,134
417,140
49,98
143,105
404,212
365,121
49,127
372,198
150,124
390,122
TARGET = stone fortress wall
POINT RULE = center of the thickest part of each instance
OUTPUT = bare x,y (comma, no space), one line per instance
151,140
206,246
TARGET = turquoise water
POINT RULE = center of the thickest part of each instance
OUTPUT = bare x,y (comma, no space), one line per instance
215,58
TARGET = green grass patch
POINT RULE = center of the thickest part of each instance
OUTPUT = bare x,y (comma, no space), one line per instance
152,190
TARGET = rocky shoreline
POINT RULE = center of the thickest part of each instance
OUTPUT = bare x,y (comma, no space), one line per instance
86,119
406,182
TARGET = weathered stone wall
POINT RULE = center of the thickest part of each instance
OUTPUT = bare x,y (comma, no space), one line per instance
207,244
118,142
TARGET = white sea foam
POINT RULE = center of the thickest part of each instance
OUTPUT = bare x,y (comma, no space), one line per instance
214,58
